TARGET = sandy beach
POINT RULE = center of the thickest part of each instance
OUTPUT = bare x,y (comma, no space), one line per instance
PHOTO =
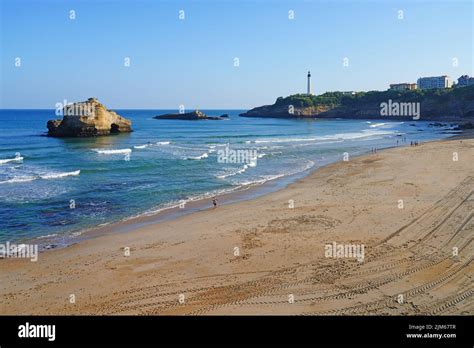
411,209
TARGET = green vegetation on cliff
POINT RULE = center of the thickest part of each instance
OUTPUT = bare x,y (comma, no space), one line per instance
303,100
417,95
335,99
454,103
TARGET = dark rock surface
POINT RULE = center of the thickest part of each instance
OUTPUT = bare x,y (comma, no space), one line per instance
196,115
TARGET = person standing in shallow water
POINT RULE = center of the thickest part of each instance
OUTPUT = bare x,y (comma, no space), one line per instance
214,202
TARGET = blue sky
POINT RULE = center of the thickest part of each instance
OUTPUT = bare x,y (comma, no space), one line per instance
191,61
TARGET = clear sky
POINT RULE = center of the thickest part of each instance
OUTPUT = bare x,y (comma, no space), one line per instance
191,61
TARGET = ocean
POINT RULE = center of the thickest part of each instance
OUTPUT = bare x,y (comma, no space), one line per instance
56,188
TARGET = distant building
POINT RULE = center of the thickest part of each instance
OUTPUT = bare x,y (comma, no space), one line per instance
309,83
402,86
465,80
434,82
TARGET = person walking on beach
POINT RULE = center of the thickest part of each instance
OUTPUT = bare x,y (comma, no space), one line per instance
214,202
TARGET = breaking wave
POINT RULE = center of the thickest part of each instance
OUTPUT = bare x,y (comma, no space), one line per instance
8,160
197,158
114,152
47,176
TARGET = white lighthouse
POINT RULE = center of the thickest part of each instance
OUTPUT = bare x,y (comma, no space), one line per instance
309,83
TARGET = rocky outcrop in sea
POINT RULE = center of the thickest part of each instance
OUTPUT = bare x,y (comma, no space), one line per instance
196,115
87,119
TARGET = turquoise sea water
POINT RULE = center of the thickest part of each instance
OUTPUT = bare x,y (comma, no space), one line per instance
169,162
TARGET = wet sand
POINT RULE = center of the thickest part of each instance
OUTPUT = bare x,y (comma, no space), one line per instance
411,209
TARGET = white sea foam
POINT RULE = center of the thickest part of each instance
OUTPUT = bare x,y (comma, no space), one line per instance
18,179
318,143
263,179
197,158
8,160
375,125
385,125
48,236
252,163
144,146
60,175
47,176
236,171
114,152
232,173
339,136
177,204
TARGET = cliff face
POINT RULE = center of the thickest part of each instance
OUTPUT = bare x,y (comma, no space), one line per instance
452,104
430,109
286,111
86,119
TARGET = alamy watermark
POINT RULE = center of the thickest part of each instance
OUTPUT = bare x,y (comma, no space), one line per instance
25,251
75,109
228,155
335,250
400,109
28,330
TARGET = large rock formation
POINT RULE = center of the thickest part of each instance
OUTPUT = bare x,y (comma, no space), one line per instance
190,116
87,119
450,104
286,111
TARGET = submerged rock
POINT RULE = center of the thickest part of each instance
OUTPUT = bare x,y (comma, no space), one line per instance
190,116
88,119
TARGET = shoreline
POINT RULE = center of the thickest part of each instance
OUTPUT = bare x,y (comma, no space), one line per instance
281,249
172,212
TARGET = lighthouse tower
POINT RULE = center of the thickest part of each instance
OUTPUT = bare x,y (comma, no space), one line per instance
309,83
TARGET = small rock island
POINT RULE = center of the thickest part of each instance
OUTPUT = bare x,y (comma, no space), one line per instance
88,119
196,115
